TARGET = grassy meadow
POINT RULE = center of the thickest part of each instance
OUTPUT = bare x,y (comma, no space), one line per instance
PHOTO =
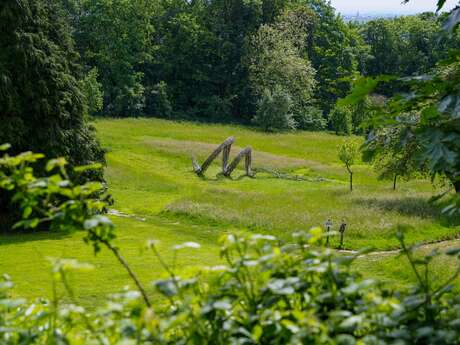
150,175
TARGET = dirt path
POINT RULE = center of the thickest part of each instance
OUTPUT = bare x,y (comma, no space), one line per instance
430,245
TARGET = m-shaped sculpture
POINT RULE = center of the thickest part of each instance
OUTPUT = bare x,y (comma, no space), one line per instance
227,169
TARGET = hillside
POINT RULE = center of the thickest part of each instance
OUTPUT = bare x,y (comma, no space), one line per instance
157,196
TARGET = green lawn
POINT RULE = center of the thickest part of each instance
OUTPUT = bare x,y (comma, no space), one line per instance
149,174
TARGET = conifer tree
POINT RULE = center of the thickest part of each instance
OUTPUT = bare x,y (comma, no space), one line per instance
41,106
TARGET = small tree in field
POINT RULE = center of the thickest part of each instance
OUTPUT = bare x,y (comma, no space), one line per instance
348,153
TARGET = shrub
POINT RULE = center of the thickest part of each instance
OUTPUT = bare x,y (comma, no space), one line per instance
311,120
341,120
360,113
274,111
158,103
92,91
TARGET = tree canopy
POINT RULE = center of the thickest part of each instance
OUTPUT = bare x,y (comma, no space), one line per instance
42,107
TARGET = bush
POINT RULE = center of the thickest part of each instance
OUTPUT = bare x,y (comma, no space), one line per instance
92,90
158,103
341,120
311,120
274,111
268,292
360,113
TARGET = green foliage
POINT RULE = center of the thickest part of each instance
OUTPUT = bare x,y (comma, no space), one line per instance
274,111
276,65
341,120
361,112
92,90
348,154
392,150
115,36
54,199
337,53
41,104
422,130
268,292
159,103
312,119
200,50
407,45
423,124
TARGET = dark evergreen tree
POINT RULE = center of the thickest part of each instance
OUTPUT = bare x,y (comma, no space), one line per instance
41,105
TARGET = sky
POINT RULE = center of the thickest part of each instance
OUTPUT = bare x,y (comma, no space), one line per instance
388,6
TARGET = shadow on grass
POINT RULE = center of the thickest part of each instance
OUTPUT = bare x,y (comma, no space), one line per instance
411,206
22,236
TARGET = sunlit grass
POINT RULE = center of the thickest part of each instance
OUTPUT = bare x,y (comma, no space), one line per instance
149,174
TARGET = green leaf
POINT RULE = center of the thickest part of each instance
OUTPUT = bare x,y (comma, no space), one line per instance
5,147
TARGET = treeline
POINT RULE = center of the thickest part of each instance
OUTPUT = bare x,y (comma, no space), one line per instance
278,63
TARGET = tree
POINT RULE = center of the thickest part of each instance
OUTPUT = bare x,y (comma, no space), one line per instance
41,104
336,51
115,36
360,113
393,160
312,119
274,111
406,45
348,154
341,120
275,64
159,103
92,90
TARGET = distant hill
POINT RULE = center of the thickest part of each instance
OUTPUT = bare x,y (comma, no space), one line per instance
365,17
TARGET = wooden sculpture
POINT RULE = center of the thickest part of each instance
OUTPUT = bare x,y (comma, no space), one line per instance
227,169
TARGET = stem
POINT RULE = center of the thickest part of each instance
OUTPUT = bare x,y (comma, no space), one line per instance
412,264
351,177
169,270
394,181
71,294
351,182
133,276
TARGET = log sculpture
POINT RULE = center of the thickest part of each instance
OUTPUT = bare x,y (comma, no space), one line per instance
227,169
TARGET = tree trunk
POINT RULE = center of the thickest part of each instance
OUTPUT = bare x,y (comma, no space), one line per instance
394,182
351,181
457,187
455,180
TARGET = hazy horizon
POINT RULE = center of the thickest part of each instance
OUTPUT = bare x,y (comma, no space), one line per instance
388,6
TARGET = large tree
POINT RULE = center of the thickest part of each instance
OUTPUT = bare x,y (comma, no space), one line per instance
115,36
407,45
41,105
276,65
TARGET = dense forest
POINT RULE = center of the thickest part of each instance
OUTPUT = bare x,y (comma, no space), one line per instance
236,61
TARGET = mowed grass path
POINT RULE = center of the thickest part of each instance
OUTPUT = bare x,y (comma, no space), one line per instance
150,176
